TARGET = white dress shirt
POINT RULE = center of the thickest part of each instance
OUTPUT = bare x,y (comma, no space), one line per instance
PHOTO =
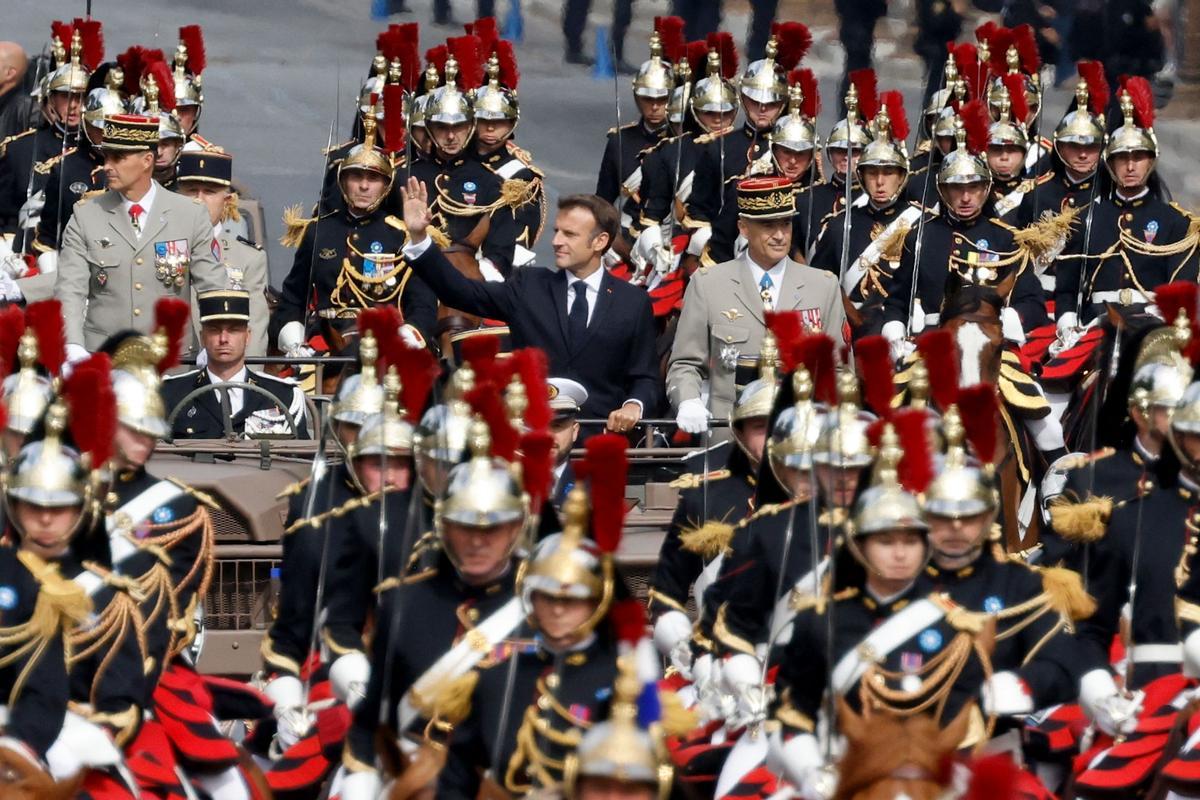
592,292
776,273
147,202
235,394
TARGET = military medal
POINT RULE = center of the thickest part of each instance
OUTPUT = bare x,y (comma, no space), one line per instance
171,261
729,356
102,277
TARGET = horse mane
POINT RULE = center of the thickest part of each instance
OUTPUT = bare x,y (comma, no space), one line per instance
904,755
962,297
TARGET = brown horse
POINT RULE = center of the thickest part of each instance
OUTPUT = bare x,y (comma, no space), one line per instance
889,757
462,256
21,779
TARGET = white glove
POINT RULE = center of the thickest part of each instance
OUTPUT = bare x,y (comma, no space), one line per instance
412,337
361,786
13,265
489,271
741,678
711,701
610,259
699,238
1010,325
693,416
1067,322
916,322
348,676
1191,654
293,721
30,212
645,249
1112,711
291,337
77,353
9,290
1005,695
670,629
798,760
48,262
894,332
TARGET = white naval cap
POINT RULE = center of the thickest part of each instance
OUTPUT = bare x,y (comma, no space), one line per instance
566,396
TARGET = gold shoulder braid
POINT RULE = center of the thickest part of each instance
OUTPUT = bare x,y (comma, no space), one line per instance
294,224
104,633
528,758
345,508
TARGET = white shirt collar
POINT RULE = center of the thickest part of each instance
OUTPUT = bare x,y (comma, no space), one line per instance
591,281
776,271
217,230
240,377
146,202
1145,191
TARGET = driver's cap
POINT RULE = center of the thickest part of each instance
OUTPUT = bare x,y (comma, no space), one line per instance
224,304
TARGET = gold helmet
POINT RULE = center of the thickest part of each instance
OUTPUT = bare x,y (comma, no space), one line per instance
1085,123
26,394
419,105
843,443
765,80
961,488
448,104
889,505
138,362
682,93
497,98
483,491
849,133
965,163
1185,421
72,73
890,129
189,67
46,472
940,100
360,395
366,157
1136,133
386,433
1009,128
443,435
654,78
795,130
714,93
1161,371
795,432
1022,62
107,100
372,89
758,397
620,748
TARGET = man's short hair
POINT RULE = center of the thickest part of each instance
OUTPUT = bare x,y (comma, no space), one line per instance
608,220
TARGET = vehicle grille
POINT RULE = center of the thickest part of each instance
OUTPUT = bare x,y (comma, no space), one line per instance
229,527
240,595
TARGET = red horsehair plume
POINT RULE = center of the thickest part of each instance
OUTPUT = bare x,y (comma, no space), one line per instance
92,35
976,121
628,619
787,327
916,466
815,352
966,59
722,42
92,408
1027,49
62,31
45,317
696,54
531,364
671,37
979,409
1175,298
867,84
12,327
165,82
1099,92
1018,100
810,105
192,37
998,44
393,117
131,64
171,318
940,352
481,352
607,467
485,30
1138,89
510,76
437,56
874,358
792,42
537,466
383,323
416,367
465,50
893,103
993,778
985,31
390,42
399,43
485,400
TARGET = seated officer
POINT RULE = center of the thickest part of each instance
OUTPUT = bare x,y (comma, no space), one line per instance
566,398
224,336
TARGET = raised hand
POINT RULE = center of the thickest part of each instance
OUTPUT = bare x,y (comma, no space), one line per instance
417,215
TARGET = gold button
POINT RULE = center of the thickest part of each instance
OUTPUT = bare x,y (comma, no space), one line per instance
1129,216
552,681
729,338
139,260
543,703
189,430
137,312
137,286
473,614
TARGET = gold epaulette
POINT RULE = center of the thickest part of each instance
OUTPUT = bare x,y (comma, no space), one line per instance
9,140
516,192
201,497
293,489
624,127
519,153
1064,591
333,148
448,702
769,510
694,479
708,539
1082,521
44,167
59,600
892,248
394,582
353,504
1045,177
1047,234
295,224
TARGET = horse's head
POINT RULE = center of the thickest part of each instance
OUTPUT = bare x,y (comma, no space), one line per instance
889,757
21,779
972,313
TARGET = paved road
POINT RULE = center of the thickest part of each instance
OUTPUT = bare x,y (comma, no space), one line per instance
282,71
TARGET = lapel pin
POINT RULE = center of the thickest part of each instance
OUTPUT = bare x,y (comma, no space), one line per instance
732,314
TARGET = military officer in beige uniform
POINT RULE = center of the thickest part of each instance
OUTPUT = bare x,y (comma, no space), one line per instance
207,175
131,245
725,306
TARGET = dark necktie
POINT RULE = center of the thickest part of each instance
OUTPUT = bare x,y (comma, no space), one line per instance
577,318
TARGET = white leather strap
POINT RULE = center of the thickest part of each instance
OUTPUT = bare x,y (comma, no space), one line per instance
1157,653
874,649
870,257
1122,296
784,613
125,519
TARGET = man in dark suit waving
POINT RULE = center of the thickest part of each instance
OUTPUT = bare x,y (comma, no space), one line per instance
594,328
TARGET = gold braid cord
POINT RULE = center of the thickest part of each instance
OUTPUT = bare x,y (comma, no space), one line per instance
194,584
1127,242
60,605
105,632
529,758
356,290
970,270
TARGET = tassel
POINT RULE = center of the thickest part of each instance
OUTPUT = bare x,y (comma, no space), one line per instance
1067,594
295,224
1047,235
1083,522
708,540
